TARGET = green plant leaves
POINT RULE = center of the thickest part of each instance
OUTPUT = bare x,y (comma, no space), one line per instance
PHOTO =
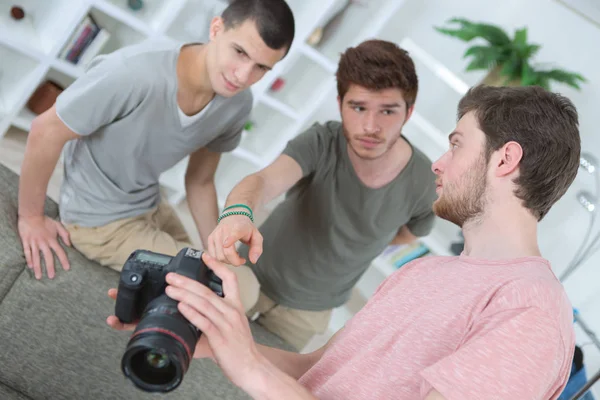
570,78
513,56
469,31
483,57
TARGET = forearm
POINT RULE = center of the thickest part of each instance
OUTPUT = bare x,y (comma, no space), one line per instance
271,382
293,364
202,200
250,191
41,155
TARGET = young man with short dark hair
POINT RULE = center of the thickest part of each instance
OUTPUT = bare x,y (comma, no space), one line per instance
492,323
134,114
353,187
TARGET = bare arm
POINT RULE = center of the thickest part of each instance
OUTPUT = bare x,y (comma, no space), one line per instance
294,364
39,233
258,189
404,236
45,141
201,191
254,191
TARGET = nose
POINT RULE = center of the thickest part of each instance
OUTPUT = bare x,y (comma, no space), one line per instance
242,73
438,166
370,124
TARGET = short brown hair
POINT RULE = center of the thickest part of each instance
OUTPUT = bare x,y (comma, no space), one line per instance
376,65
546,126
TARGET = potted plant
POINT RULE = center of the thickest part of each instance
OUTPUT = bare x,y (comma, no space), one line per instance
508,60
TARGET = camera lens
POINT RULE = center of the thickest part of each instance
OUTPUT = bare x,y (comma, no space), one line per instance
160,350
157,359
154,367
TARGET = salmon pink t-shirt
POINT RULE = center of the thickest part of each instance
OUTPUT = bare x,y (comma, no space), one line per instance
468,328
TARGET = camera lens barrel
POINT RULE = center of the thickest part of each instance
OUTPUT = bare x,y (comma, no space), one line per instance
160,349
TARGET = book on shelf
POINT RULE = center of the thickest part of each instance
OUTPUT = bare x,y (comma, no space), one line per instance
85,42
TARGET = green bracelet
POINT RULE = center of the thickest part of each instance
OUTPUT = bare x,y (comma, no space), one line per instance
227,214
237,206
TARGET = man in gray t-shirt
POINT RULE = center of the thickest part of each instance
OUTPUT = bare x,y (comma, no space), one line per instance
134,114
352,188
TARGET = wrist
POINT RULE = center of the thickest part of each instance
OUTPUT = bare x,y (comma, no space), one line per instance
29,216
256,382
236,209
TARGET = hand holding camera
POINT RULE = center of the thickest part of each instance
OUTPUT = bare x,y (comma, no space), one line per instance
184,306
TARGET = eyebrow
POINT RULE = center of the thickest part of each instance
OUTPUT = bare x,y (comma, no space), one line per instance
362,103
246,54
453,134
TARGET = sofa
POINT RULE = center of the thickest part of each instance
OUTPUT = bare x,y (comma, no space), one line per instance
54,342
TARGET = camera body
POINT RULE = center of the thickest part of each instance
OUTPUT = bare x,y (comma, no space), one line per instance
143,279
161,347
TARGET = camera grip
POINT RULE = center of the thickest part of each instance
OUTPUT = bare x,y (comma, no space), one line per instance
126,307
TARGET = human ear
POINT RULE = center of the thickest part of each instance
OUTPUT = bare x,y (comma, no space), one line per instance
216,26
510,156
409,112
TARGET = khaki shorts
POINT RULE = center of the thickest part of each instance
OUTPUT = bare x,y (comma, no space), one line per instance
160,231
297,327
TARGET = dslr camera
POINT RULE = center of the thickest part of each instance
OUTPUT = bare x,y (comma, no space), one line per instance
160,349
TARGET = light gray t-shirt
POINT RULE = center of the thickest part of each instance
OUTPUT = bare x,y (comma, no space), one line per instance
125,107
321,239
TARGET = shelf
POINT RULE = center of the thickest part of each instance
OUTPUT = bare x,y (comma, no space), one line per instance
269,125
24,119
194,26
301,83
45,24
121,34
248,156
328,109
150,14
350,25
304,15
123,15
17,74
439,94
25,116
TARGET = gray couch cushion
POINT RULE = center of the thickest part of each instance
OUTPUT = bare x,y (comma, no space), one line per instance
55,342
8,393
12,260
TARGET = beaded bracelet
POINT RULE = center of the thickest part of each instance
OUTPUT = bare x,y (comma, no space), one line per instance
237,206
229,213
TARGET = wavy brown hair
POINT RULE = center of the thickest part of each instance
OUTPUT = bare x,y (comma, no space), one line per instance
377,65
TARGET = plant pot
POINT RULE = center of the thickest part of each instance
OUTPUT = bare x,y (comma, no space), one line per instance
493,78
44,97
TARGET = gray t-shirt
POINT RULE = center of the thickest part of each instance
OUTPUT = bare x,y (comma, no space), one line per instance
321,239
125,107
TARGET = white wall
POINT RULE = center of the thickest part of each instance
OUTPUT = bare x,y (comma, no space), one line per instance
570,42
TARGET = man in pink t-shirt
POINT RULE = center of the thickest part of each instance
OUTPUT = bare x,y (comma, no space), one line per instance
492,323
